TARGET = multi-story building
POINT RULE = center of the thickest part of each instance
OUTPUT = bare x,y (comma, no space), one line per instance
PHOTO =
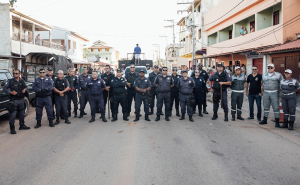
176,60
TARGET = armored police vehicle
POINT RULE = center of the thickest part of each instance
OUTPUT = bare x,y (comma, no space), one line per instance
125,63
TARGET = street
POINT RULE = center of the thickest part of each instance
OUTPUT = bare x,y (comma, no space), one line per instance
175,152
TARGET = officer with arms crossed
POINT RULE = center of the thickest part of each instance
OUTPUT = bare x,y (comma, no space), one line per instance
199,91
175,92
221,80
271,85
142,86
95,88
153,92
43,87
72,94
118,84
186,85
237,95
16,88
289,87
130,78
164,83
107,77
61,87
83,93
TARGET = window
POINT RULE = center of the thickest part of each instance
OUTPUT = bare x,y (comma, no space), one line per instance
276,18
92,50
62,42
199,34
74,45
107,49
199,8
106,58
99,50
230,34
69,44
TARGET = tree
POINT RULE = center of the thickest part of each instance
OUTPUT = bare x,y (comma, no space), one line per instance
86,52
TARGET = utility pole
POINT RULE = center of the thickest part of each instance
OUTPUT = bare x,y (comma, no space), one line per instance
166,47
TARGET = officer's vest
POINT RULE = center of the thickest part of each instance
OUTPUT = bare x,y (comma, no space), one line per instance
219,78
164,84
288,86
198,82
238,83
18,87
60,84
131,78
119,86
175,79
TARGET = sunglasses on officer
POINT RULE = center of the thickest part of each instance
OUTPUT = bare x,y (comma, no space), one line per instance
132,67
270,67
42,72
16,73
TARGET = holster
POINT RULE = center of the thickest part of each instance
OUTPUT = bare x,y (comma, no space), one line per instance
191,101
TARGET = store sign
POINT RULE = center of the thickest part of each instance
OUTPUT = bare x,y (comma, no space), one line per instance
253,54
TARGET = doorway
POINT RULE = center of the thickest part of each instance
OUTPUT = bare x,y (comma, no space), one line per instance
259,63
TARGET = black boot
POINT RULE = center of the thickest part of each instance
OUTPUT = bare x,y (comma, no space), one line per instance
84,113
57,120
200,113
38,124
167,118
103,118
51,123
127,114
23,126
157,118
277,122
75,113
215,116
114,117
125,117
264,121
137,117
67,120
233,118
191,119
285,124
177,112
194,112
92,119
226,116
81,114
151,111
69,113
12,128
291,127
240,117
147,117
182,116
204,111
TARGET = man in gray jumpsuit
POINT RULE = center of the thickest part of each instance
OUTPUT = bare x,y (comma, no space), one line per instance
271,85
237,95
289,88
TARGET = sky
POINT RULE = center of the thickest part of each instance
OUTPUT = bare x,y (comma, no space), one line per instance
119,23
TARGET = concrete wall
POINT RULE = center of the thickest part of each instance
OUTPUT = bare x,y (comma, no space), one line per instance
290,10
5,29
212,39
265,17
224,34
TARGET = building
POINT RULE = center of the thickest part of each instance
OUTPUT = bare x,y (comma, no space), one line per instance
267,23
176,61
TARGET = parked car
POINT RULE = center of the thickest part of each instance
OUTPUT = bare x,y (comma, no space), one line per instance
4,98
137,69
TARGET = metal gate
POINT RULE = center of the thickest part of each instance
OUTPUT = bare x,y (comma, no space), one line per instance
290,62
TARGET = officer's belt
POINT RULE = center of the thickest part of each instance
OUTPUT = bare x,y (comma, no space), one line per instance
184,93
143,94
45,96
197,89
95,94
271,91
238,91
83,89
288,93
164,92
119,94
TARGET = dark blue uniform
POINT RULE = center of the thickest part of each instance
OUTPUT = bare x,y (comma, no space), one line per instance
119,84
153,91
175,94
205,76
43,90
72,94
95,88
199,92
130,77
108,78
185,93
54,77
61,101
83,91
141,97
163,93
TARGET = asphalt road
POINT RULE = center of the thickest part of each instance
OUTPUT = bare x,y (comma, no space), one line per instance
175,152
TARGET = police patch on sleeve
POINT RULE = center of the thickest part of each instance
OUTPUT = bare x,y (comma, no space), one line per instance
190,81
98,82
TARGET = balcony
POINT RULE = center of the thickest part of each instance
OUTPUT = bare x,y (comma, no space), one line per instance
247,24
269,17
182,35
212,39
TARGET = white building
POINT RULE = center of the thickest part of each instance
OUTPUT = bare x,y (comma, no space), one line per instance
176,61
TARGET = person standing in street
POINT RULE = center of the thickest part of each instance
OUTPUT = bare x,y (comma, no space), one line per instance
221,81
199,91
61,87
254,92
186,85
130,78
175,92
153,92
95,88
43,87
53,77
16,88
271,85
72,94
164,83
83,93
137,52
142,86
108,92
237,95
290,87
118,84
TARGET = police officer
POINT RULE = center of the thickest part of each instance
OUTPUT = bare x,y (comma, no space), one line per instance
61,87
16,88
107,77
204,74
142,86
238,83
175,92
199,91
271,85
130,78
164,83
118,84
83,93
289,87
53,77
221,80
153,92
95,88
186,85
72,94
43,87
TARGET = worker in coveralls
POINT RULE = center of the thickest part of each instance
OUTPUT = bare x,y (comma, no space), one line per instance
289,88
270,88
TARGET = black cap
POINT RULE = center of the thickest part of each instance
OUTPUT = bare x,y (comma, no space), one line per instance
219,65
50,69
142,70
155,66
119,70
184,71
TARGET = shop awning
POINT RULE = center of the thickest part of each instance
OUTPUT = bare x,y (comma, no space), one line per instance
295,45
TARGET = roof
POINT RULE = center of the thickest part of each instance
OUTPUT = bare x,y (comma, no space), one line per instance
288,46
196,2
79,36
182,19
99,47
29,18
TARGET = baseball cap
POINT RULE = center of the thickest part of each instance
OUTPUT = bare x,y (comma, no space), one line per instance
288,71
142,70
219,65
50,69
237,67
184,71
270,65
119,70
155,66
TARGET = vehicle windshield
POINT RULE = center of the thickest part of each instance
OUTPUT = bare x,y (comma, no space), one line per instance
3,76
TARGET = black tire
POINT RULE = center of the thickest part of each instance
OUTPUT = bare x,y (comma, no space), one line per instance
26,106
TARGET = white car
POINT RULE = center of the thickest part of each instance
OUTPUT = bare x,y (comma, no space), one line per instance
137,69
